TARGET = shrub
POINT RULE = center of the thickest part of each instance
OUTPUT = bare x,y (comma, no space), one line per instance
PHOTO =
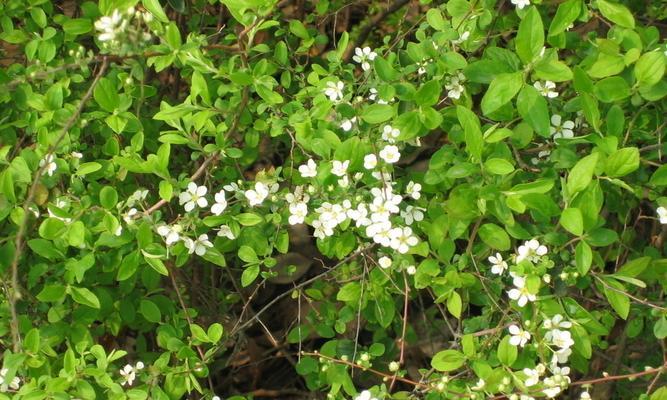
443,200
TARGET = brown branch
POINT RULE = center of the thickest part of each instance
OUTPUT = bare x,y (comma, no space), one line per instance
19,240
300,285
372,23
619,377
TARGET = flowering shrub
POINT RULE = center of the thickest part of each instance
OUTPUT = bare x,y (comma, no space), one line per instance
367,201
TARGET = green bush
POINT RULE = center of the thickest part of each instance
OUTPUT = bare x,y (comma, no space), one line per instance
456,200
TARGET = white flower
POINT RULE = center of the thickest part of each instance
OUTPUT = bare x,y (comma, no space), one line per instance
519,336
193,197
414,190
346,125
334,90
373,94
370,162
365,395
171,234
412,214
422,67
309,169
199,245
662,214
554,391
455,86
14,384
561,339
363,56
226,231
479,385
411,270
77,155
546,89
220,203
520,293
359,215
321,230
109,26
585,395
520,4
389,133
258,195
499,265
129,216
390,154
402,239
531,250
561,130
532,377
380,232
561,356
130,373
216,398
462,38
385,262
556,322
340,168
49,164
298,212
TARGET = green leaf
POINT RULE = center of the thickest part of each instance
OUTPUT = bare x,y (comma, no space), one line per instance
298,29
156,264
384,310
591,111
384,69
429,93
106,95
581,174
507,353
247,254
530,38
622,162
612,89
659,177
503,88
619,301
616,13
248,219
473,132
150,311
377,113
572,221
85,297
154,7
249,275
454,304
435,19
77,26
660,332
108,197
52,293
498,166
88,168
495,237
448,360
349,293
634,267
533,108
650,68
583,257
566,14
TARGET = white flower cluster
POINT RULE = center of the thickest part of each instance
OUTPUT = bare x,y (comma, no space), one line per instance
123,28
365,395
454,86
14,384
129,372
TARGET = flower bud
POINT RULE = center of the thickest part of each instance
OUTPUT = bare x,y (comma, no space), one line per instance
394,366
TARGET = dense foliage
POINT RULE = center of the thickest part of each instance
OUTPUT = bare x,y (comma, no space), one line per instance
364,200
